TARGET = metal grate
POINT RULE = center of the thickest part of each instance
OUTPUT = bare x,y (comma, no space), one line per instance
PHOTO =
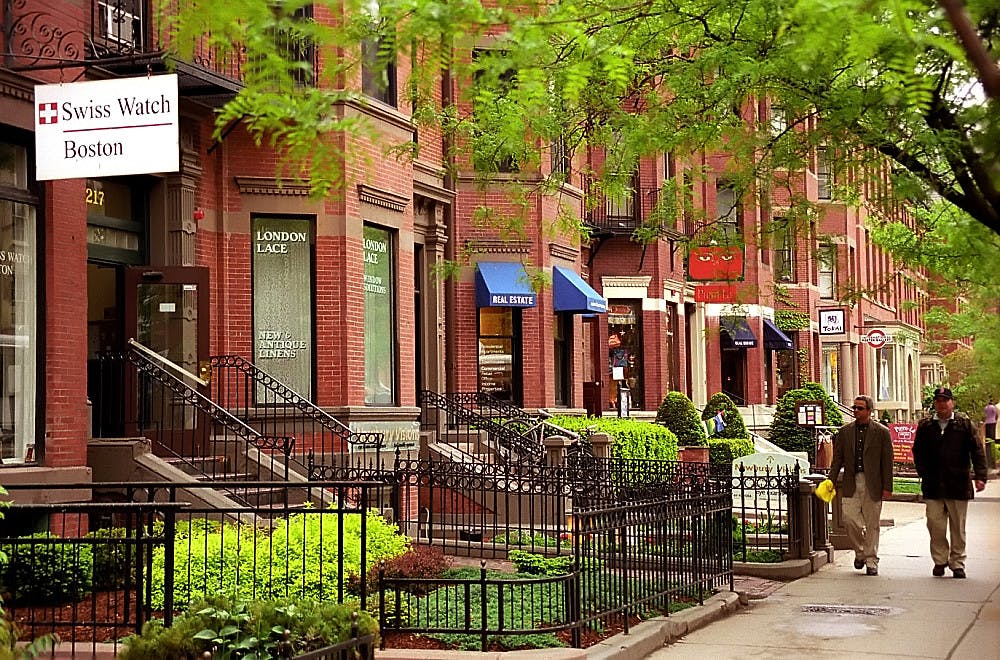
867,610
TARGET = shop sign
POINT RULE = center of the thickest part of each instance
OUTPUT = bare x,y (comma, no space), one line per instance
716,293
715,262
621,315
876,338
832,321
902,441
106,128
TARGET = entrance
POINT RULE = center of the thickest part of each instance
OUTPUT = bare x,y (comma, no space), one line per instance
734,375
166,310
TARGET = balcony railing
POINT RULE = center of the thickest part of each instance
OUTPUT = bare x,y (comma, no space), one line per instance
618,214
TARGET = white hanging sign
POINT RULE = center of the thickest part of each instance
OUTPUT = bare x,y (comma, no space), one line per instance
106,128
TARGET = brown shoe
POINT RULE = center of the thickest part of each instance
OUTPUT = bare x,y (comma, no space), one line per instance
938,570
859,563
872,570
958,573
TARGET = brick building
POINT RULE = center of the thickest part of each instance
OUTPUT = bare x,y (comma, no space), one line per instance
338,298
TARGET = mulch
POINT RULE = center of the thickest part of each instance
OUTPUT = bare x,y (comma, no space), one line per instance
100,617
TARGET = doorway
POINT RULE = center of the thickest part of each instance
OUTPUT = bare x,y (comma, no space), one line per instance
734,375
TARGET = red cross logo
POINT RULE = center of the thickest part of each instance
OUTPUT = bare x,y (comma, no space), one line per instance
48,113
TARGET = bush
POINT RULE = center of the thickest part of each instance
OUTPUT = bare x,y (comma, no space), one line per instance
49,570
629,438
723,451
787,434
678,414
111,559
297,556
420,561
228,628
731,417
534,564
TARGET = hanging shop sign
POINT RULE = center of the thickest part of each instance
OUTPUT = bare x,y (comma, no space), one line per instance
832,321
106,128
713,263
876,338
903,435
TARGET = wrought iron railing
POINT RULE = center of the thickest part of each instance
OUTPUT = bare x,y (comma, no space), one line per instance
135,395
473,433
273,409
151,552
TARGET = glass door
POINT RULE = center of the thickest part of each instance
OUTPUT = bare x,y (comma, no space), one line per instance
166,310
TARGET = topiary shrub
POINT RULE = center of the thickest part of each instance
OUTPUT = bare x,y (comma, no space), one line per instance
630,438
787,434
679,415
47,570
731,417
723,451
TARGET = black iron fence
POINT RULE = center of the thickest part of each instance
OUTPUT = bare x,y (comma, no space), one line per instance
767,512
95,572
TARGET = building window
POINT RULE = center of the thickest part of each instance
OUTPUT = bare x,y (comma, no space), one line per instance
561,158
562,331
283,300
727,210
625,351
824,179
498,358
779,120
378,59
19,288
784,253
827,262
831,372
380,318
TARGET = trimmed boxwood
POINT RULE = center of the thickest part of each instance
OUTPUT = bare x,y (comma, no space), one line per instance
678,414
629,438
723,451
47,570
787,434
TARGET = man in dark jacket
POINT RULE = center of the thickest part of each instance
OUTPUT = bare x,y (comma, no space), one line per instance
944,448
863,449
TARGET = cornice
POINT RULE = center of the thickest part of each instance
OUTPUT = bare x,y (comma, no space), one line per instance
258,185
563,252
383,198
497,246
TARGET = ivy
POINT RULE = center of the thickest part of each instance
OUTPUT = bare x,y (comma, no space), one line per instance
787,319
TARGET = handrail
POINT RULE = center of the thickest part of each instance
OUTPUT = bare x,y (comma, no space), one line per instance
167,363
506,439
302,405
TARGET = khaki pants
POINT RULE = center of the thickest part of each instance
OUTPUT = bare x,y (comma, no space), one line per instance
862,515
944,516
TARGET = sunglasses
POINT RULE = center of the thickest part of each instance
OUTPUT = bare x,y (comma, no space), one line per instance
860,407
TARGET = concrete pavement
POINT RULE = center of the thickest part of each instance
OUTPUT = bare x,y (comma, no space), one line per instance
904,612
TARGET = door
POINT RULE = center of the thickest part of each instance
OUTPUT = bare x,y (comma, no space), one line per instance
166,310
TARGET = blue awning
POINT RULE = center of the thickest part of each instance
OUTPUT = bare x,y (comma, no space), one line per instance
775,339
736,333
503,284
570,293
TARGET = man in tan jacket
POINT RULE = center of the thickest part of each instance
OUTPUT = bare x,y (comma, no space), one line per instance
863,449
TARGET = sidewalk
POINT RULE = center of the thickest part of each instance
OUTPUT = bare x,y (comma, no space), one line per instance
904,612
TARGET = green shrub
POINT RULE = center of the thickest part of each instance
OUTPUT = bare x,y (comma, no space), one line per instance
723,451
731,416
678,414
629,438
787,434
228,628
534,564
111,559
47,571
297,556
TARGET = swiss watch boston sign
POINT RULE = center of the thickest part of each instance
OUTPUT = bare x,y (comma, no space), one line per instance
106,128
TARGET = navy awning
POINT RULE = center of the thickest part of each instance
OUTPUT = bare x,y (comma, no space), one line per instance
775,339
503,284
570,293
736,333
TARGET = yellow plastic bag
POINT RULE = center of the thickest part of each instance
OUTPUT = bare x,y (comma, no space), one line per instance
825,491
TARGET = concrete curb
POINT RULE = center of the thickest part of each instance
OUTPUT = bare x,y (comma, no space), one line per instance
653,634
437,654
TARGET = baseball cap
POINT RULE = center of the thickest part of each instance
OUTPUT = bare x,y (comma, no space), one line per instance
943,393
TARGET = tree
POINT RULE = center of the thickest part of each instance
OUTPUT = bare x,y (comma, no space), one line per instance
785,431
678,414
870,79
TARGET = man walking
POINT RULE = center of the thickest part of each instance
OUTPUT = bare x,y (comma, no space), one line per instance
945,446
863,448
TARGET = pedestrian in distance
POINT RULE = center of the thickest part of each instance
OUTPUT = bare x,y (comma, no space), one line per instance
863,449
943,450
990,419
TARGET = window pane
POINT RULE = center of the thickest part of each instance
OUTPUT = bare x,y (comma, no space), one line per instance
380,338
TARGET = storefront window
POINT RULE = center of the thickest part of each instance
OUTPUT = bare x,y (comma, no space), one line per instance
625,351
785,370
18,310
282,300
831,372
497,352
380,321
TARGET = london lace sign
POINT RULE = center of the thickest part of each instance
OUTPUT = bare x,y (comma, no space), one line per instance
106,128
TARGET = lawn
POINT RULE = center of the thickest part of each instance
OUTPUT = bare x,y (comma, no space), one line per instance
907,486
